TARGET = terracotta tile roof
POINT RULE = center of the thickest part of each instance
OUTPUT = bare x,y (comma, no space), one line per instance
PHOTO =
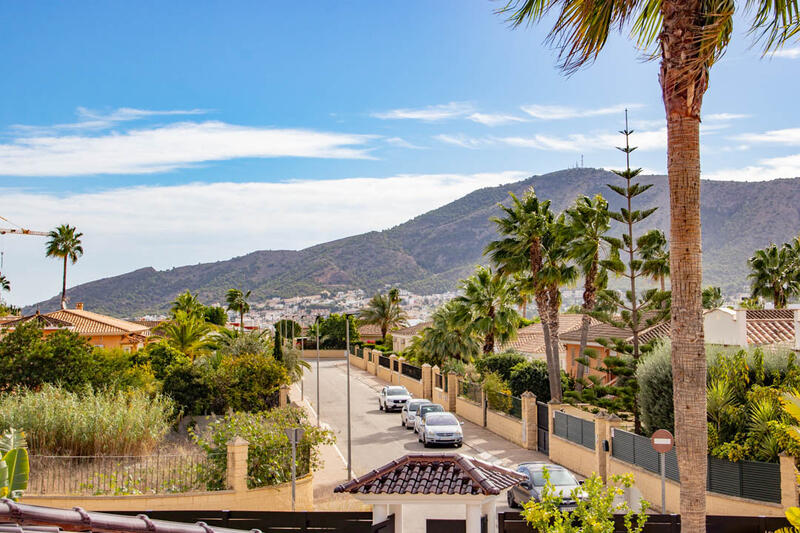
770,331
769,314
44,322
149,323
89,323
369,329
658,331
411,330
434,474
607,331
530,339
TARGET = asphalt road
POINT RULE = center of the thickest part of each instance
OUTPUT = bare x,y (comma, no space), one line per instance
378,437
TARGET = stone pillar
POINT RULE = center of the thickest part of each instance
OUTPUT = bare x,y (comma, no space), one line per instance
489,508
380,511
601,434
236,472
393,376
452,391
396,509
427,382
530,425
473,518
789,490
283,400
552,407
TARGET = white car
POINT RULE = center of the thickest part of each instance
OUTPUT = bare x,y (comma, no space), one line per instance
408,415
393,398
419,420
441,428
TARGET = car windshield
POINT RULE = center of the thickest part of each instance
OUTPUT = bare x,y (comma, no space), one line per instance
444,419
413,407
430,408
396,391
558,476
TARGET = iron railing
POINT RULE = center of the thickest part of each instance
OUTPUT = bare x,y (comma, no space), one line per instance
438,381
384,361
118,475
412,371
470,391
574,429
396,366
504,403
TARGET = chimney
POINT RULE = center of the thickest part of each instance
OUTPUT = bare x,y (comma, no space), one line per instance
79,306
741,327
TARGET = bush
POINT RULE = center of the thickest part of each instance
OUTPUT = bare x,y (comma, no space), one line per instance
654,375
250,382
160,356
497,393
28,359
269,453
499,363
530,376
187,385
118,369
57,421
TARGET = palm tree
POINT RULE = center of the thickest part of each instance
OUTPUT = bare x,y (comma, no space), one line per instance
773,274
486,307
588,221
4,283
654,251
237,302
186,333
187,302
712,297
65,242
519,251
385,312
692,35
446,339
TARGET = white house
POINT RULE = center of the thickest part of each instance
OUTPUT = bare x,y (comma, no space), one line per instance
753,327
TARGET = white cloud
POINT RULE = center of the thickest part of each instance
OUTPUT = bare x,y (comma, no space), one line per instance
168,147
578,142
788,136
97,120
402,143
724,116
556,112
766,169
494,119
461,140
787,53
165,226
431,113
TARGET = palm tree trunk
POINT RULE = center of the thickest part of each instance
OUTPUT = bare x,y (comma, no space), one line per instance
661,279
64,286
555,375
488,341
683,94
589,291
241,320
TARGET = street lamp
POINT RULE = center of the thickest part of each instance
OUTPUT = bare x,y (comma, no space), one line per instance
347,364
316,324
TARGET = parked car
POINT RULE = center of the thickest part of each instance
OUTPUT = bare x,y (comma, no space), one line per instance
393,398
562,480
427,408
409,413
441,428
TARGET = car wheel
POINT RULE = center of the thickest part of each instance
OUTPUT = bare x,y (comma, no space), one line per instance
510,498
380,405
402,422
424,442
458,445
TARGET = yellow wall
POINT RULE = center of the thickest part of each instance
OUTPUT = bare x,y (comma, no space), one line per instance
413,386
506,426
275,498
323,354
469,410
383,373
573,456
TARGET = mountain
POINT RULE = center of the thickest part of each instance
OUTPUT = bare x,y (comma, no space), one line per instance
432,251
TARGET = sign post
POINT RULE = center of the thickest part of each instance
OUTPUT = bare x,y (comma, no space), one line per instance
295,436
663,441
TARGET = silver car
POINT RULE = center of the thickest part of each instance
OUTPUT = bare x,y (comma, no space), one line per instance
408,415
441,428
393,398
562,480
426,408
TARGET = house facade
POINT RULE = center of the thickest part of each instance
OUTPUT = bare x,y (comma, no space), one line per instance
401,338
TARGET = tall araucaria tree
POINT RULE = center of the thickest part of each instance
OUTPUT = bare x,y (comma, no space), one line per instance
486,307
588,222
385,312
691,36
64,243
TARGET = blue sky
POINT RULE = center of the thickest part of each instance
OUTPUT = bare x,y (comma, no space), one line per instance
180,132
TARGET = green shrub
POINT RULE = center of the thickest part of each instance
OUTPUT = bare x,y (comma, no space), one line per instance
57,421
160,356
654,375
530,376
269,452
187,385
118,369
499,363
249,382
498,394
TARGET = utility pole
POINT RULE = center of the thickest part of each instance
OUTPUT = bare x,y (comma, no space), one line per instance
316,322
347,364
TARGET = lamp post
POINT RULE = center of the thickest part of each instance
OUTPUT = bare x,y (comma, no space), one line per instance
316,324
347,364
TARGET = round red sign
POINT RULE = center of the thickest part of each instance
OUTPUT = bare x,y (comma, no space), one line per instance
662,441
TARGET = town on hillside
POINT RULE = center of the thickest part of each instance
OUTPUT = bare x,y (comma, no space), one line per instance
269,268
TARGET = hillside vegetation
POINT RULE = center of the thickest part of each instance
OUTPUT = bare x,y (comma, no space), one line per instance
432,251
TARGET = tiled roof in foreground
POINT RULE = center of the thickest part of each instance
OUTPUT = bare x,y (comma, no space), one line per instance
434,474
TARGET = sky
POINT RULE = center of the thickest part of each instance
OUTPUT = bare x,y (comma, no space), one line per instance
175,133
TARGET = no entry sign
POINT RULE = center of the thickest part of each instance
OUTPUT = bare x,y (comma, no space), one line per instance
662,441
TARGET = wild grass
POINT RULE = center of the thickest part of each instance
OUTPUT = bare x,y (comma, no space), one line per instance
89,422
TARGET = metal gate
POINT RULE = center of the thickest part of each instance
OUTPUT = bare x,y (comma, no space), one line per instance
452,526
543,427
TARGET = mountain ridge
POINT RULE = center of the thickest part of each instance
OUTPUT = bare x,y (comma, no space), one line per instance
431,251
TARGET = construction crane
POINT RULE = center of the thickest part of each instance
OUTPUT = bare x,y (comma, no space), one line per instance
19,230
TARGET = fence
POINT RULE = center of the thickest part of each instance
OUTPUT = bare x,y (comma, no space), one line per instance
574,429
470,391
512,522
504,403
438,381
123,475
414,372
359,352
384,361
396,366
745,479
